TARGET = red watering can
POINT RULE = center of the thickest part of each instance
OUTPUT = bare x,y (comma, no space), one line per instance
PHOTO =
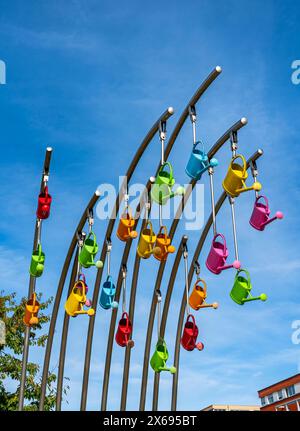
190,334
124,331
44,202
261,214
218,254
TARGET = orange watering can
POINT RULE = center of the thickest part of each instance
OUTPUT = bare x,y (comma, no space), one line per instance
77,299
190,335
126,226
147,241
163,245
31,311
124,331
234,182
198,296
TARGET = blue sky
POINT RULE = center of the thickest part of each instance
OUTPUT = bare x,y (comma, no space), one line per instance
89,78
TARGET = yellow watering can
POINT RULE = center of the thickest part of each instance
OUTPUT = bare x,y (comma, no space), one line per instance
234,182
146,243
199,295
77,299
31,311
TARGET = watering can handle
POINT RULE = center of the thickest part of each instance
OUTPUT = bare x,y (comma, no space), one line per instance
246,272
166,232
92,233
265,199
82,285
240,156
170,168
199,142
151,227
193,320
46,191
125,316
199,280
222,236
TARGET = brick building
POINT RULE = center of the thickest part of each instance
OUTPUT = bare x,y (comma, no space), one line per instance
281,396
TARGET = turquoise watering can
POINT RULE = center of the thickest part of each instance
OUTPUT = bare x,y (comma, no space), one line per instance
161,191
241,291
198,163
108,292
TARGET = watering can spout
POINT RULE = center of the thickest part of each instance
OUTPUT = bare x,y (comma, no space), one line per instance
262,297
236,264
172,370
255,186
278,215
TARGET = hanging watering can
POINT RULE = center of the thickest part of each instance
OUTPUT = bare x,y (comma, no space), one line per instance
76,301
261,214
161,191
163,245
198,163
44,203
160,357
126,226
190,335
198,296
31,311
217,256
124,331
147,241
108,291
37,262
241,291
234,182
89,251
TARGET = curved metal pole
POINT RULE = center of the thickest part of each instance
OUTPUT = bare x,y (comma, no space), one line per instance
200,91
211,153
109,230
62,355
57,300
200,244
32,280
166,310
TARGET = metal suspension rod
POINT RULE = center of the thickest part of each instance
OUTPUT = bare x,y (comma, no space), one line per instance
146,141
198,250
174,225
203,87
212,196
231,201
58,296
32,282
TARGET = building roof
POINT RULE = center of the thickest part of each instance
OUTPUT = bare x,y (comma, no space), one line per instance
275,386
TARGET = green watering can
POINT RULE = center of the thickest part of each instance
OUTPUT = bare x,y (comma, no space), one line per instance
241,291
37,262
161,191
89,251
160,357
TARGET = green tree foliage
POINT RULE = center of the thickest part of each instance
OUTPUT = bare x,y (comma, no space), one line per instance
12,313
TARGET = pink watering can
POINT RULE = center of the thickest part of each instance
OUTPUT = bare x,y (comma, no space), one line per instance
261,214
218,254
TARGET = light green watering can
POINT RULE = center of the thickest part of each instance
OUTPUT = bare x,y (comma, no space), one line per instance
241,291
160,357
89,251
161,191
37,262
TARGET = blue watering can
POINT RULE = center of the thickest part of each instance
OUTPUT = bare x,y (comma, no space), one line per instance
199,162
108,291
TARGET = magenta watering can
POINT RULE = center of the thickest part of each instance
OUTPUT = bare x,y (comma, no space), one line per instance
261,214
217,256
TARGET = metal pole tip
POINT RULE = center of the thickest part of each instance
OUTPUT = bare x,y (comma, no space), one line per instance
171,110
244,120
219,69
